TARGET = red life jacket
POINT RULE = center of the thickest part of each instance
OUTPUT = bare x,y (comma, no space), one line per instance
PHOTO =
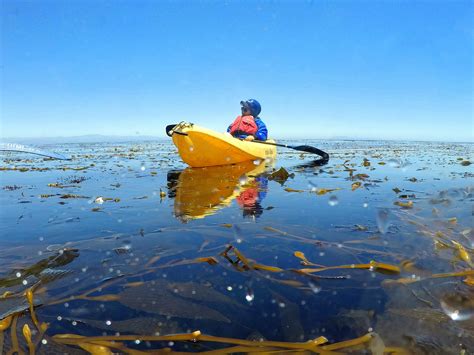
248,198
243,125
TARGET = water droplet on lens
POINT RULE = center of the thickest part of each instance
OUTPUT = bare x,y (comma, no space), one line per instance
243,180
458,306
394,163
249,296
333,201
314,287
382,220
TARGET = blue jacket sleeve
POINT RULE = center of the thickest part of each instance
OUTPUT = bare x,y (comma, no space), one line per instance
262,132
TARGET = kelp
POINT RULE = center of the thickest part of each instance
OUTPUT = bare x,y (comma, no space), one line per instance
315,345
280,175
324,191
241,262
373,266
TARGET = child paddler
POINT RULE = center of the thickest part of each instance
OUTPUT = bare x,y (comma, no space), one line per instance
249,126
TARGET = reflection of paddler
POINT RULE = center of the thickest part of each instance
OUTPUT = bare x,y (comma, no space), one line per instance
249,199
200,192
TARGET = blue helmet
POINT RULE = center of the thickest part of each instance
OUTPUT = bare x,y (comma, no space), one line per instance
253,106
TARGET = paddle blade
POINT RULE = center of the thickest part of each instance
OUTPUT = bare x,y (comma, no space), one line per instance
310,149
169,128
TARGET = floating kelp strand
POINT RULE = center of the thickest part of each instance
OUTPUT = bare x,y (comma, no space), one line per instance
463,254
373,266
315,345
414,278
14,337
247,264
95,349
196,336
29,297
27,334
454,274
305,261
5,323
266,268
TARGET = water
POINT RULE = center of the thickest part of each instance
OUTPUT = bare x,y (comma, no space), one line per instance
126,240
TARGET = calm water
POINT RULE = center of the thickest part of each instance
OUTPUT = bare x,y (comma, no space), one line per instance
111,241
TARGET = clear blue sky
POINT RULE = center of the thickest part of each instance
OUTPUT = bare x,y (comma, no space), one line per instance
375,69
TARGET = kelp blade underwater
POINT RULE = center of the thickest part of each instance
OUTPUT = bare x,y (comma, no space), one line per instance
125,249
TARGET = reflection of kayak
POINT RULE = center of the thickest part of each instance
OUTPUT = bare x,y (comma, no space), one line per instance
201,192
200,147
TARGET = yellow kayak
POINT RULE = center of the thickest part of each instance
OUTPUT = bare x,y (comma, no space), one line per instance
200,147
201,192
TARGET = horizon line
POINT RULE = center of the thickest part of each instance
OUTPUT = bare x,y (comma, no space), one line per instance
157,137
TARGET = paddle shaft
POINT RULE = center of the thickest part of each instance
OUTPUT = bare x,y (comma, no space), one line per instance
302,148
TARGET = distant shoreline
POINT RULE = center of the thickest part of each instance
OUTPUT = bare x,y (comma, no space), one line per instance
137,139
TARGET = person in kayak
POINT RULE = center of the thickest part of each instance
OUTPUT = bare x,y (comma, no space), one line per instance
249,126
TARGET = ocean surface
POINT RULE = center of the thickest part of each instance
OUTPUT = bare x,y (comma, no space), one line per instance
124,245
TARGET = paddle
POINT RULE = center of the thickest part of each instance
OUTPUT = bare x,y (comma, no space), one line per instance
13,147
302,148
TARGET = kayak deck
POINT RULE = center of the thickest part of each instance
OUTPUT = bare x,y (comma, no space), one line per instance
200,147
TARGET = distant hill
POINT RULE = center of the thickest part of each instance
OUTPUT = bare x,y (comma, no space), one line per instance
91,138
